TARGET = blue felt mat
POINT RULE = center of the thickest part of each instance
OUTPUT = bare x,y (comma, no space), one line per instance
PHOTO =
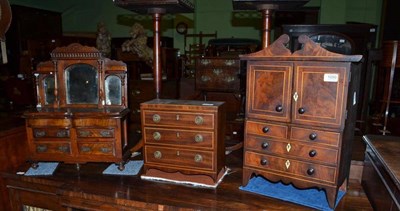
44,168
131,168
308,197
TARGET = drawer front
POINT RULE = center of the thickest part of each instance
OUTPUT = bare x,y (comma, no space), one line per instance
266,129
292,167
302,151
218,78
179,157
49,122
183,138
52,148
96,148
176,119
95,133
89,122
315,136
51,133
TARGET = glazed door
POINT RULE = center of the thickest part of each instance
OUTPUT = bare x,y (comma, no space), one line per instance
320,93
268,90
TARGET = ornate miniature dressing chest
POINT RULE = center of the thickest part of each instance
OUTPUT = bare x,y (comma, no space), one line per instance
184,140
300,114
81,112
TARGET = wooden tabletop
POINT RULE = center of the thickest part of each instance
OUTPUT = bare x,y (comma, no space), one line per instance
387,149
90,185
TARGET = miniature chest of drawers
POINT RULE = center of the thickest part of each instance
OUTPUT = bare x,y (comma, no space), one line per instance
184,139
300,114
218,74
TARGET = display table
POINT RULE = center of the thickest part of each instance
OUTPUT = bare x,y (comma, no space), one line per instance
89,189
381,172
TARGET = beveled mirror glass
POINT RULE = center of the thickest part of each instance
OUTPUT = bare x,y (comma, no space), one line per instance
48,85
82,84
113,90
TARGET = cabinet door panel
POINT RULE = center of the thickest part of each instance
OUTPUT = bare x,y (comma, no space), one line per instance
319,94
269,85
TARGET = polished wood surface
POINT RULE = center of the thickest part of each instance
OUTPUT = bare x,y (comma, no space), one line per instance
380,177
82,190
300,116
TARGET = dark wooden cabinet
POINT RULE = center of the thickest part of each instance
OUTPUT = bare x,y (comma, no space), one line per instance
300,116
29,42
184,140
81,112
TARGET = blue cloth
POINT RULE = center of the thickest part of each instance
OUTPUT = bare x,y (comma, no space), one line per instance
307,197
44,168
131,168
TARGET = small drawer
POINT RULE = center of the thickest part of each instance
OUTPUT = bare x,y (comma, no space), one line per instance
96,148
315,136
292,148
51,133
63,123
94,133
182,119
89,122
290,167
52,148
183,138
179,157
266,129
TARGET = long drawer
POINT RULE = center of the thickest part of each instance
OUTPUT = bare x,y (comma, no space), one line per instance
174,119
178,157
183,138
299,150
287,166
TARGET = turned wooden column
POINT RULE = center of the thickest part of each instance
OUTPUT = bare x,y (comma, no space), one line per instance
157,70
266,11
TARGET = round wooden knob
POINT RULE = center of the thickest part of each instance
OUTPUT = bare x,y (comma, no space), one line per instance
312,136
263,162
310,171
312,153
279,108
265,145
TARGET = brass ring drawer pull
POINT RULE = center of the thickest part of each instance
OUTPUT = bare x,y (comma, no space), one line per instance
198,120
62,134
84,133
41,148
105,150
157,154
198,138
106,133
63,148
157,136
198,158
86,149
40,133
156,118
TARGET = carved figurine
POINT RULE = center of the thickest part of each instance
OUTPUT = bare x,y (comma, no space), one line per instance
138,44
103,40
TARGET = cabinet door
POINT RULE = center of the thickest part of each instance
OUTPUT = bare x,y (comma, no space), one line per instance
268,90
320,93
